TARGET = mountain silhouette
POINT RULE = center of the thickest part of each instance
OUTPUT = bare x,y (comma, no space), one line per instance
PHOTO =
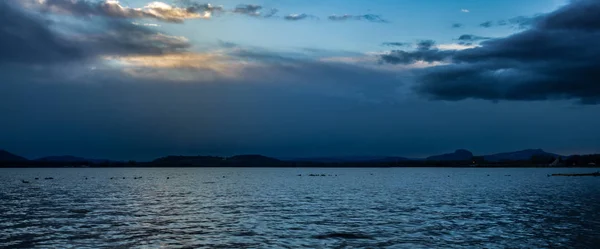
212,161
349,159
458,155
519,155
6,156
70,159
61,159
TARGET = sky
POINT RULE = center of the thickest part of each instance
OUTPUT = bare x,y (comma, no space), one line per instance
138,79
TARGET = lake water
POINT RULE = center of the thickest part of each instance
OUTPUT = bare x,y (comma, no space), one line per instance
275,208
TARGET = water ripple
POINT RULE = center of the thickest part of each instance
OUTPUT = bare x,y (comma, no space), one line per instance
274,208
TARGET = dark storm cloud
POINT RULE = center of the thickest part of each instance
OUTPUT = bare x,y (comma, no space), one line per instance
123,38
581,15
366,17
29,39
426,51
555,59
155,10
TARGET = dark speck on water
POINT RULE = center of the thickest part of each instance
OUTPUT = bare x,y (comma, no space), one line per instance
273,208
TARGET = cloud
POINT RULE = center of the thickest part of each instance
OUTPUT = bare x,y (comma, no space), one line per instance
487,24
118,37
248,9
519,22
189,67
146,24
186,110
110,50
523,22
465,11
271,13
472,38
366,17
27,38
297,17
395,44
457,25
170,13
425,44
554,59
179,60
227,44
206,9
426,51
254,10
456,46
112,8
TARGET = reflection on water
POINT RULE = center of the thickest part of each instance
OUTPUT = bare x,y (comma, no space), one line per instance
240,208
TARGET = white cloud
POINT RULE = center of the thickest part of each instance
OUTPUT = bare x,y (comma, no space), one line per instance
113,8
146,24
455,46
465,10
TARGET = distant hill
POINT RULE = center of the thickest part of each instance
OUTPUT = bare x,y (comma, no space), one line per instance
211,161
61,159
6,156
351,159
458,155
519,155
70,159
206,161
253,161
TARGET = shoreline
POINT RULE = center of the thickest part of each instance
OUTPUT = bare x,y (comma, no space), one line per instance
291,167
